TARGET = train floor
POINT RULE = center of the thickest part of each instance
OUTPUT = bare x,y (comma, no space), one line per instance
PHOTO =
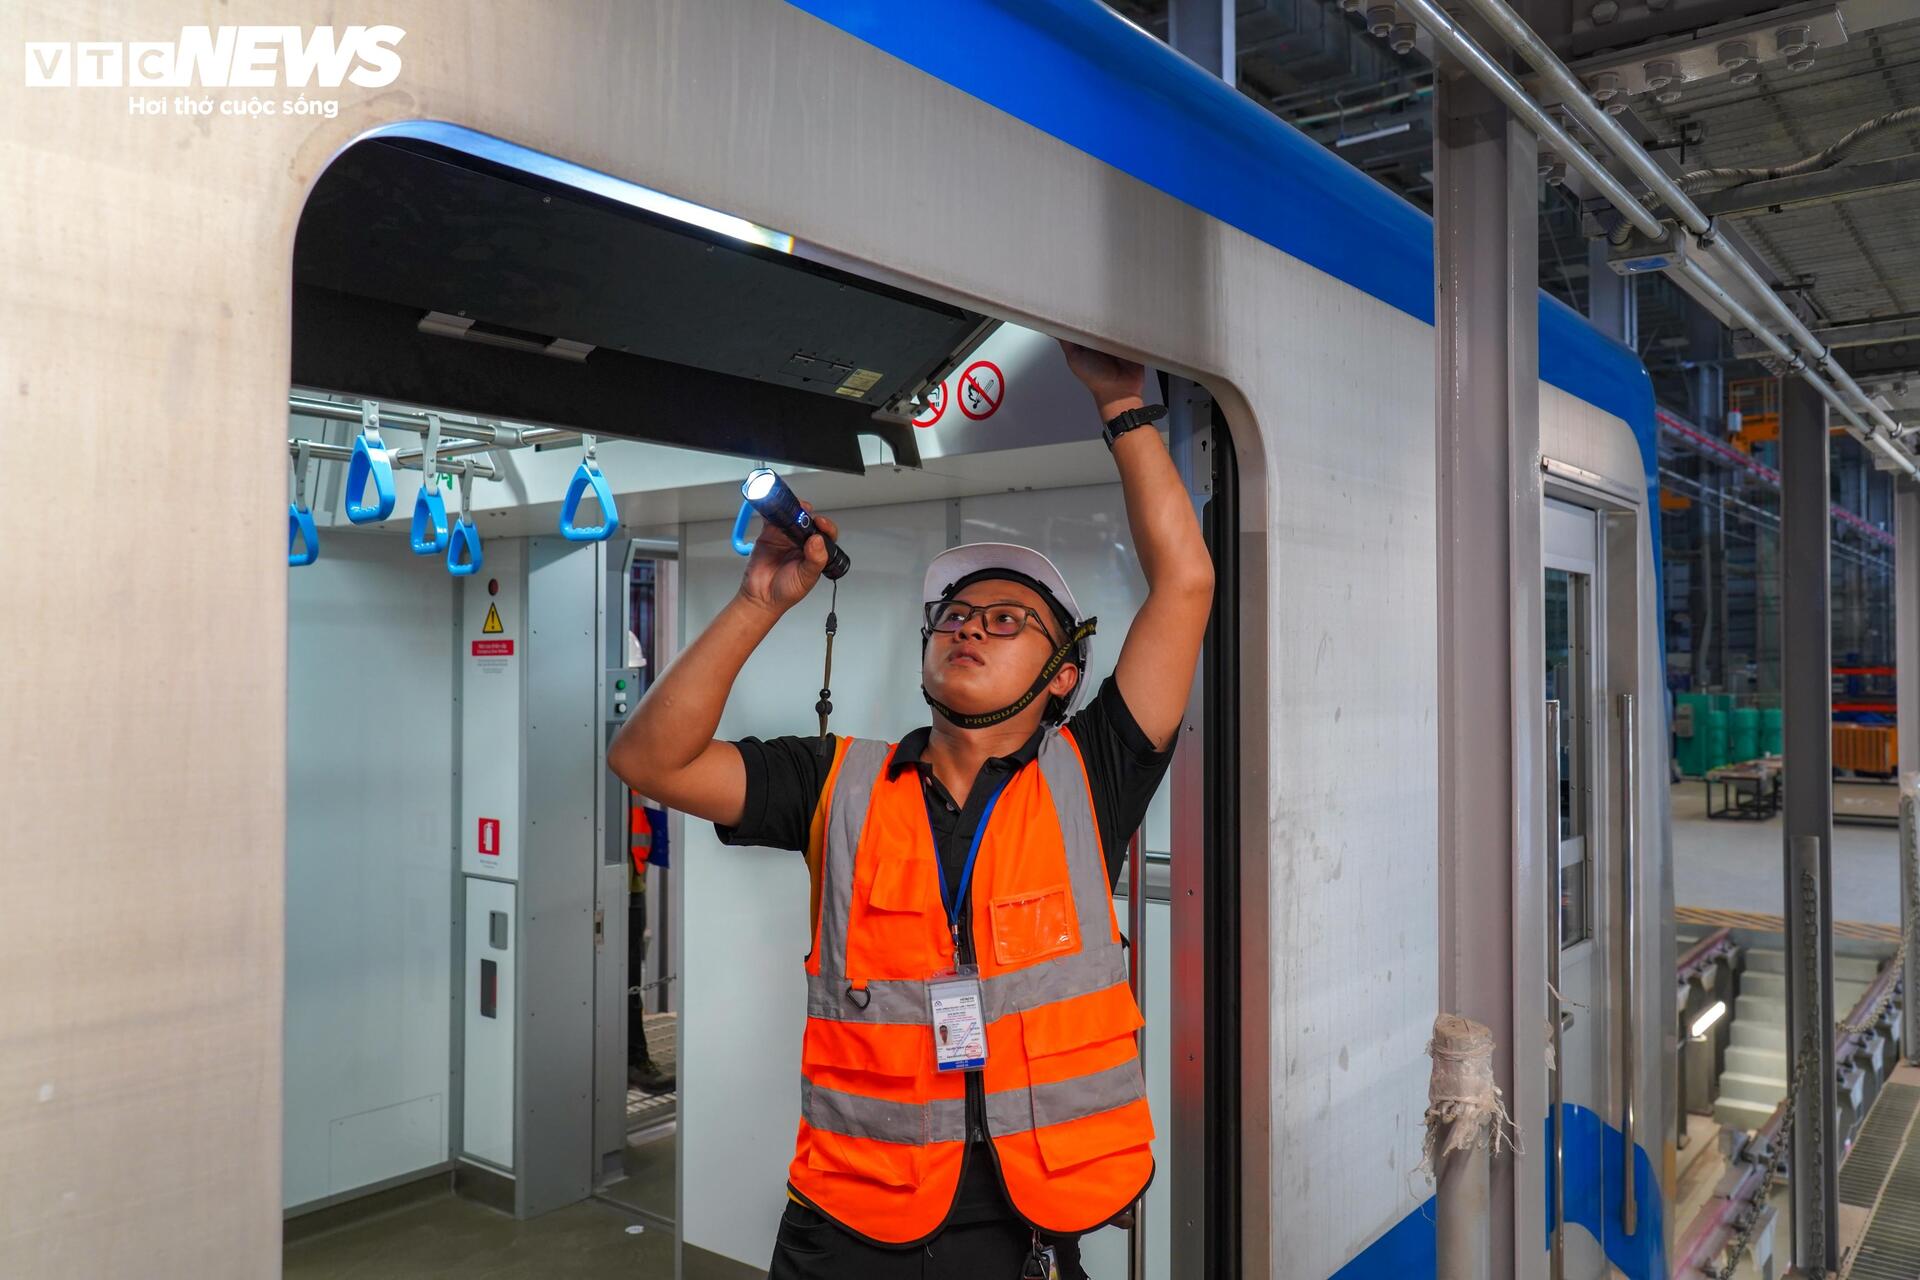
1735,866
447,1236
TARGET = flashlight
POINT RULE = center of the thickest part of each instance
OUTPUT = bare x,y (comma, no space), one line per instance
777,505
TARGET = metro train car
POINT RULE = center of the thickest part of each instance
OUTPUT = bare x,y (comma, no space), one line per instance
317,882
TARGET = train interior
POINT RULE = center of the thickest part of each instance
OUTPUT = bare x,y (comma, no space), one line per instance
531,1017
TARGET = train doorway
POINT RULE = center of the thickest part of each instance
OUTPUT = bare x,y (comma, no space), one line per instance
1575,600
527,984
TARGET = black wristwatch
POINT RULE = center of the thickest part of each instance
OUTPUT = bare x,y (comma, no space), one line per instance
1121,423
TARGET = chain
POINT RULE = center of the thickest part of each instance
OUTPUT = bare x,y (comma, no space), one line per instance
1750,1217
1805,1063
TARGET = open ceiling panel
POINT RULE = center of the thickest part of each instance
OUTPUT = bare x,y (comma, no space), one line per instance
426,275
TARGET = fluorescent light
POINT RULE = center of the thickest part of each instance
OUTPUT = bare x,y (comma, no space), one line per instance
1707,1019
543,165
1384,131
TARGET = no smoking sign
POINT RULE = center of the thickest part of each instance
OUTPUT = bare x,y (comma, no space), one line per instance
982,389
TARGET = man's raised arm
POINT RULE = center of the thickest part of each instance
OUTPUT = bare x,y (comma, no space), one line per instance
1157,662
666,750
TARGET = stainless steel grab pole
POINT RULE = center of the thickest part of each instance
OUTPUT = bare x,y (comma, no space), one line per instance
1556,1079
1137,979
1629,980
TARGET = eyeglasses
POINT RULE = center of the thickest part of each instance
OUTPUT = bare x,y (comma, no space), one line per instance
1003,619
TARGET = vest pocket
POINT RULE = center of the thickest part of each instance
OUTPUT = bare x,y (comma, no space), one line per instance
1064,1146
897,930
891,1164
1032,925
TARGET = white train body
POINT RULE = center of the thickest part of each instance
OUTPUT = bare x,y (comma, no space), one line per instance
144,356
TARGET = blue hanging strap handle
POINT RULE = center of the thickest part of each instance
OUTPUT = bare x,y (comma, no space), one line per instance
586,476
299,516
430,532
369,459
464,553
742,544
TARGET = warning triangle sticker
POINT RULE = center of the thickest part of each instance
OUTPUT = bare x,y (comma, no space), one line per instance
492,627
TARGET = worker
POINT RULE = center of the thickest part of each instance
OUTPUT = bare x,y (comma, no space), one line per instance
961,878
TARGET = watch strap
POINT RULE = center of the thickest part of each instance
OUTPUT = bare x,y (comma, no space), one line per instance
1121,423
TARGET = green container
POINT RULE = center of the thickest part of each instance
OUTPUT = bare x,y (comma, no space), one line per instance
1770,731
1722,701
1714,750
1691,748
1743,733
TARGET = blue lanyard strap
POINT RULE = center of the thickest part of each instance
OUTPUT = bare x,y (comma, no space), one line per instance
952,901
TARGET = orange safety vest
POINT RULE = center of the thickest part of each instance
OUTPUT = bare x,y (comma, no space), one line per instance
883,1135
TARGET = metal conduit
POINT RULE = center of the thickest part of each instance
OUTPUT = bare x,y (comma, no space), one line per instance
1476,59
1512,28
1875,440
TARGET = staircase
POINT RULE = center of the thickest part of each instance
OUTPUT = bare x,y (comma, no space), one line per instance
1754,1077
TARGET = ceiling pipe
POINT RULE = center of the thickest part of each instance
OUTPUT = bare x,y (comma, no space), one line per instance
1578,99
1552,137
1876,441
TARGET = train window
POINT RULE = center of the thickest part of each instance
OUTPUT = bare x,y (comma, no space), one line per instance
1569,682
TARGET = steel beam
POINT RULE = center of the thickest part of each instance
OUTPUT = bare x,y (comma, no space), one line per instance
1204,31
1882,360
1492,852
1806,699
1847,182
1906,659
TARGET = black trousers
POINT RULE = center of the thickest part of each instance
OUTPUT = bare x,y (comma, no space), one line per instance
812,1247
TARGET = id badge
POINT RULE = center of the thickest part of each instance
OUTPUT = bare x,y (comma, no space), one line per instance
1040,1265
959,1025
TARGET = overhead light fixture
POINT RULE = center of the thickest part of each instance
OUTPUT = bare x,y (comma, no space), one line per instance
1703,1023
1384,131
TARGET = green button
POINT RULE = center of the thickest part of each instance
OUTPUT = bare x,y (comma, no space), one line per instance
619,684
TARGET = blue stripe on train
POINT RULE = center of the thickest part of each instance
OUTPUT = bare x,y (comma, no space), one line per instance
1079,72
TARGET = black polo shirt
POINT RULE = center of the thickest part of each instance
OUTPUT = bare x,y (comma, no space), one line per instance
784,781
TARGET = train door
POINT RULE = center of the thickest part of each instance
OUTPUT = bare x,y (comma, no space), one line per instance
1575,594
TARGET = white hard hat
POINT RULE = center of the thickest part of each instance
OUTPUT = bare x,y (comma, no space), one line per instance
1014,563
952,567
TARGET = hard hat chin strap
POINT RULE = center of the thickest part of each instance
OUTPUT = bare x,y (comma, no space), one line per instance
1052,668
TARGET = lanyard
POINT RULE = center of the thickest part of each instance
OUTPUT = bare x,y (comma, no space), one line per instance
954,902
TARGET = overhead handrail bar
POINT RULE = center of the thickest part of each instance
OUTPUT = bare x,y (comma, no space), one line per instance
464,552
300,515
430,533
406,461
1451,36
369,462
486,435
588,476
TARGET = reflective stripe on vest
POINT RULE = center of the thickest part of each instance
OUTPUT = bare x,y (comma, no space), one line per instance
883,1134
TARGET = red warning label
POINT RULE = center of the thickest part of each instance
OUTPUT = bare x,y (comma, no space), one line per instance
493,648
982,388
935,407
489,837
